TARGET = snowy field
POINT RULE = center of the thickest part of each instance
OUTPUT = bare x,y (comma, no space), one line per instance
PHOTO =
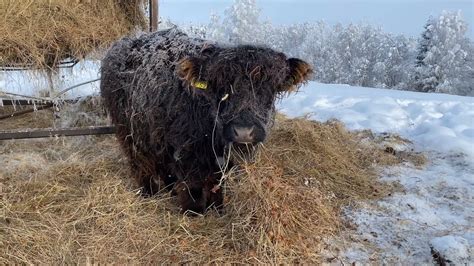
434,121
436,210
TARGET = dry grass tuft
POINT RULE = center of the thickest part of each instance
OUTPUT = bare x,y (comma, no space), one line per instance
40,33
70,200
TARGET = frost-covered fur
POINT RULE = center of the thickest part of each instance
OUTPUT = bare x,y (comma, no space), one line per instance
172,131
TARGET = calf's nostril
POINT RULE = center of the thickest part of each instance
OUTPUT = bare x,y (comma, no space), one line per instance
243,134
251,131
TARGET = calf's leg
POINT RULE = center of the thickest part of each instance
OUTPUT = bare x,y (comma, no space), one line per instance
191,195
213,192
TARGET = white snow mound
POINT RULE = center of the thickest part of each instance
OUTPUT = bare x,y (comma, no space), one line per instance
454,249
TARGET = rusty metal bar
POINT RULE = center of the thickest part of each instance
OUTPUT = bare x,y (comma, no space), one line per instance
22,67
53,132
20,102
30,110
8,102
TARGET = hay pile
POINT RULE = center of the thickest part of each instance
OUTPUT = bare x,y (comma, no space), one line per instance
69,200
40,33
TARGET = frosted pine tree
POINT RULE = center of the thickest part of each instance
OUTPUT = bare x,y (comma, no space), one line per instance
443,55
465,83
427,75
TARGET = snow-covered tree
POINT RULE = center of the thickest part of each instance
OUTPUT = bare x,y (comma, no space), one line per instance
444,61
398,64
357,54
240,23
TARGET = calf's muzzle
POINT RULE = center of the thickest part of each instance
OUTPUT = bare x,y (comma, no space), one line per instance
238,133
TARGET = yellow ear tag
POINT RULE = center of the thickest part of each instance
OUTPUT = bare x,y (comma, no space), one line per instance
200,84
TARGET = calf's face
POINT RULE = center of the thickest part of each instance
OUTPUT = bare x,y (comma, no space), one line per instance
240,86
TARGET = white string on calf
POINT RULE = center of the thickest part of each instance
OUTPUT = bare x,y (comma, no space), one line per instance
222,168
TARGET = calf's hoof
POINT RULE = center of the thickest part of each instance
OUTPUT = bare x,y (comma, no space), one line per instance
196,197
190,197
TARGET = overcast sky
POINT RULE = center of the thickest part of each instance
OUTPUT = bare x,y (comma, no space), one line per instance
397,16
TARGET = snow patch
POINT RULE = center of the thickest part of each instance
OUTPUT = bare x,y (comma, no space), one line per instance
453,249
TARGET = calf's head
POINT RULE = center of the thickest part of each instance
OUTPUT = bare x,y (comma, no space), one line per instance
240,86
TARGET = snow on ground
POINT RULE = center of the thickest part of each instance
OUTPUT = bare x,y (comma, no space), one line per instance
439,121
451,246
437,203
436,210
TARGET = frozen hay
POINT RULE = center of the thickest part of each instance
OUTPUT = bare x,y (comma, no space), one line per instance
41,33
71,201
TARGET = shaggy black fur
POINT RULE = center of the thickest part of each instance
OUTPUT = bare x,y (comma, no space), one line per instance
172,130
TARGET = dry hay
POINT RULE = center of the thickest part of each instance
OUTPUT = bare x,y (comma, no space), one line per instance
70,200
40,33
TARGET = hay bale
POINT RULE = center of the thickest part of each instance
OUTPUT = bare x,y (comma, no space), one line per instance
41,33
82,206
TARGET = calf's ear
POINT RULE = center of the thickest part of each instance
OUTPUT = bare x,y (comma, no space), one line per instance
189,69
300,72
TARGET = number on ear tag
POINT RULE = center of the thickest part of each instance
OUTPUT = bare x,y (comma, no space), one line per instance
200,85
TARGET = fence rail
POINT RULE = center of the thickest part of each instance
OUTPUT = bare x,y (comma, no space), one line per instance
26,111
8,102
55,132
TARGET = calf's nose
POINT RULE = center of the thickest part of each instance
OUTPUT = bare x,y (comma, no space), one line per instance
243,134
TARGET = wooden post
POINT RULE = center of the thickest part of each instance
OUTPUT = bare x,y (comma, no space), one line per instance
50,73
153,6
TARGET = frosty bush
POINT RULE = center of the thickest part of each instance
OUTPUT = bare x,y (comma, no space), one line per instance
359,54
